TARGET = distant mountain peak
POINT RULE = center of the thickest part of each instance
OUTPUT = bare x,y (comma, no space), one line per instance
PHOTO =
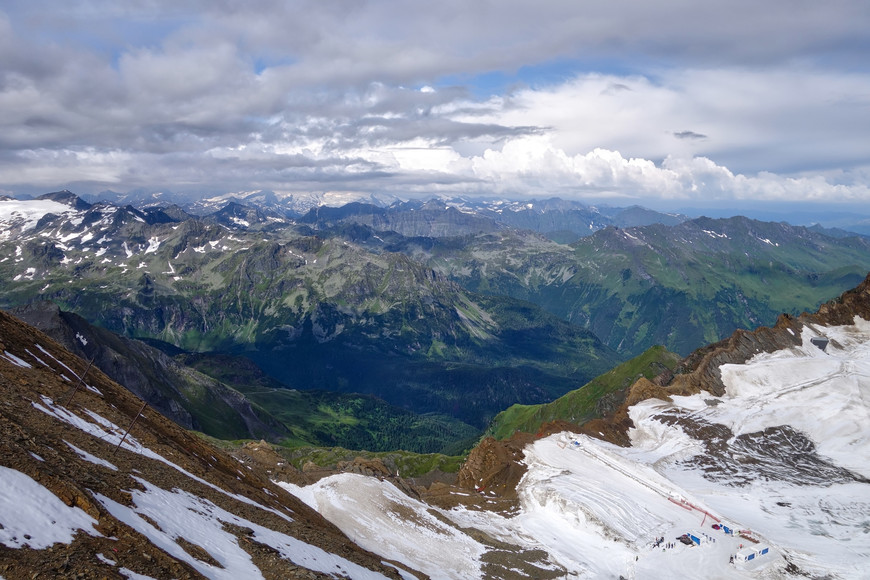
66,197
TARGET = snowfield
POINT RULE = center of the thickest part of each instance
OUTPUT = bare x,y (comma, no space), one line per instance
380,518
791,471
25,214
33,516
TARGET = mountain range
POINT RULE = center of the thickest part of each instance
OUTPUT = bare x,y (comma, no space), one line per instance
711,467
435,308
313,312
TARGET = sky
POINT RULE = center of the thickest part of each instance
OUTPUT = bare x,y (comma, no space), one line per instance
674,101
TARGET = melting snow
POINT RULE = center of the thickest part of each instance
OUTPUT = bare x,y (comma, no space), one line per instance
91,458
105,560
382,519
28,274
15,360
69,237
153,245
199,521
107,431
58,361
33,516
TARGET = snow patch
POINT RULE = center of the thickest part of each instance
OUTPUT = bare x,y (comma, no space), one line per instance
91,458
15,360
180,514
33,516
107,431
382,519
153,245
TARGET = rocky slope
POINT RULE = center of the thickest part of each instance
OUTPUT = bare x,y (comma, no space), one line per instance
83,500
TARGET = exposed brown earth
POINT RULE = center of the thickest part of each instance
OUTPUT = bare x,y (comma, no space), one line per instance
36,444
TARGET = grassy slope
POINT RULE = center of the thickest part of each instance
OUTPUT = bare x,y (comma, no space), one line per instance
582,404
406,464
700,290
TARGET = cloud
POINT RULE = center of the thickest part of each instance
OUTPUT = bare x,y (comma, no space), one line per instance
689,135
534,166
731,99
783,120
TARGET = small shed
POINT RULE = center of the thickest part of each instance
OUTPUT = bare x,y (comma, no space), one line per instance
750,553
698,538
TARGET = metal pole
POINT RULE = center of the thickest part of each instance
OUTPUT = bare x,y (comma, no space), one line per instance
145,404
78,384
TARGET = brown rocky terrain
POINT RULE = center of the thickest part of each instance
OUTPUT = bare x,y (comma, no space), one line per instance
39,410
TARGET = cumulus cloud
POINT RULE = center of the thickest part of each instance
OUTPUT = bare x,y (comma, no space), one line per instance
535,166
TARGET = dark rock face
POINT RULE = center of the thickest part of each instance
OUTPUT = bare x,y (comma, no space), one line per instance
179,393
700,370
496,466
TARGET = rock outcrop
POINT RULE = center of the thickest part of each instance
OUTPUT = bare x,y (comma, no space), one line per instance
180,393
